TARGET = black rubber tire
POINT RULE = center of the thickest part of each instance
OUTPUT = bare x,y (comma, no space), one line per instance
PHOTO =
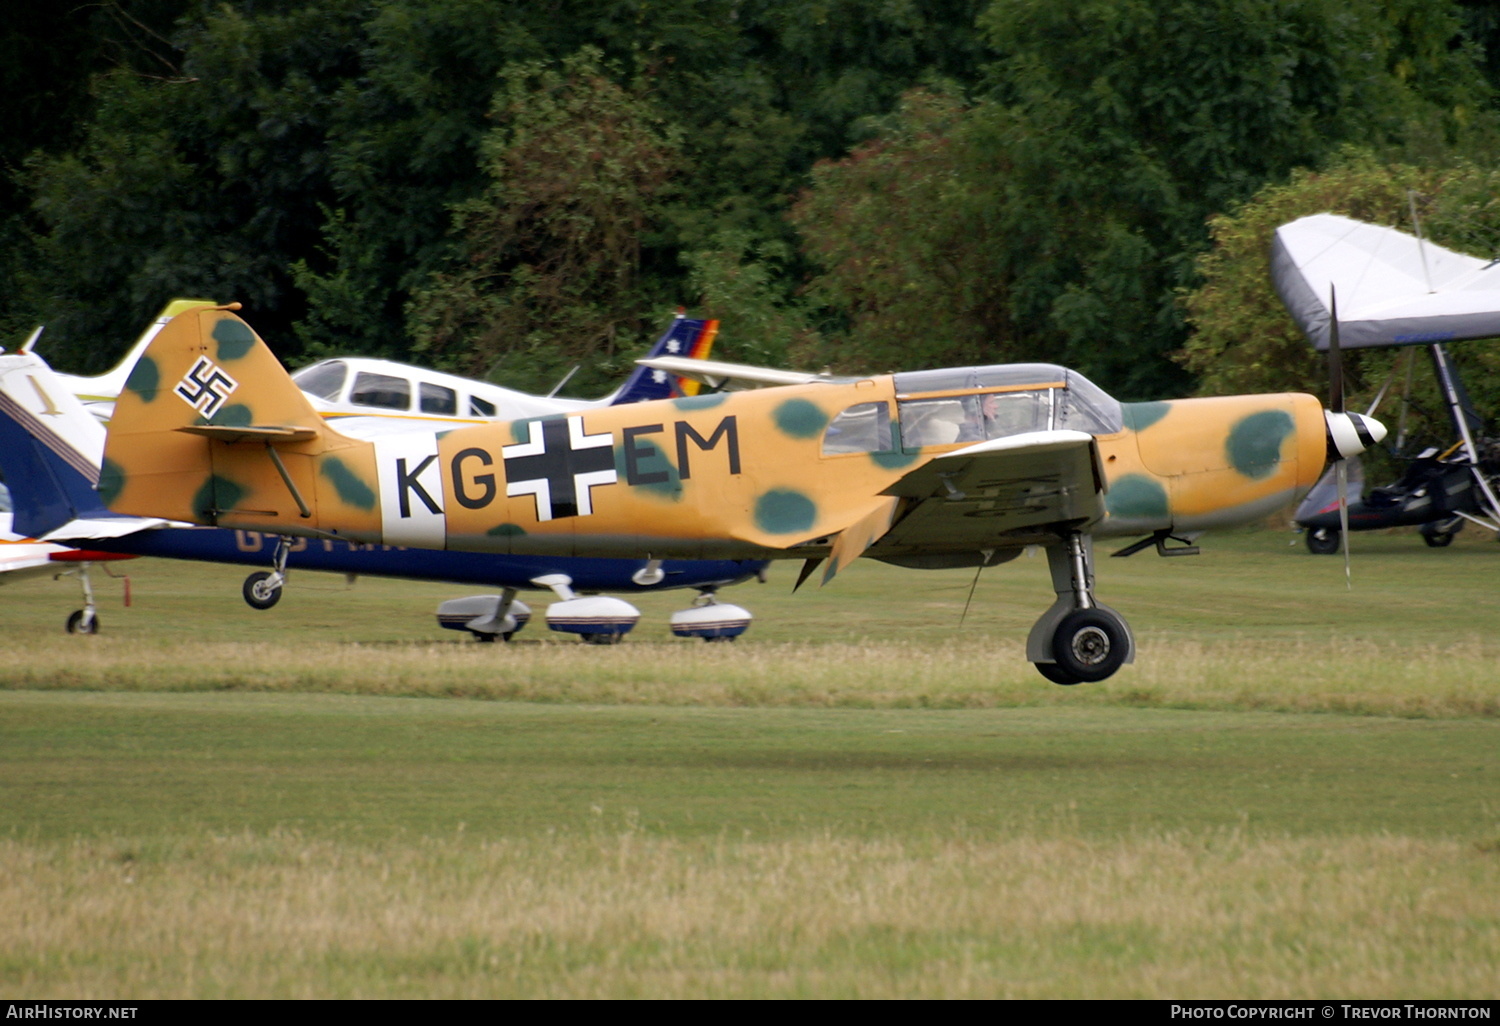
257,597
78,623
1438,541
1324,541
1055,675
1090,645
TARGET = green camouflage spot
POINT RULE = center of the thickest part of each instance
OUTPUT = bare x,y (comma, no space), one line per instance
145,379
1254,445
1136,496
111,482
218,493
233,415
800,418
1140,416
506,531
654,473
784,512
699,402
350,487
234,337
894,460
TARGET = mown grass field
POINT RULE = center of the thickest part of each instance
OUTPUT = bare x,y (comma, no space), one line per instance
1292,793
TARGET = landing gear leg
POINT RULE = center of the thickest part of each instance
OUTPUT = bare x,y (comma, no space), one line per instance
1078,640
500,624
85,620
262,590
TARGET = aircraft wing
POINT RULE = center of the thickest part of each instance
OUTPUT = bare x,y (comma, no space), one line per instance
731,377
985,492
1393,289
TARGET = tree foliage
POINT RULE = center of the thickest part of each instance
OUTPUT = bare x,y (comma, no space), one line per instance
548,268
1245,341
1057,216
868,184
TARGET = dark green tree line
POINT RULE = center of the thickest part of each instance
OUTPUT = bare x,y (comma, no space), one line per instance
511,187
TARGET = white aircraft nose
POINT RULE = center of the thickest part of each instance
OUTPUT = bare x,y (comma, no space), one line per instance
1350,434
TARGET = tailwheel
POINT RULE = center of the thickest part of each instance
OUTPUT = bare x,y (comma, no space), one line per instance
262,590
83,621
1089,645
1323,541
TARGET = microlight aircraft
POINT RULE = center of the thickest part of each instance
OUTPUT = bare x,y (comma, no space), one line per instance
1397,289
936,468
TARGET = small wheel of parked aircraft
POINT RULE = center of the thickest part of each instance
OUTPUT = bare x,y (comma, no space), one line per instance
1323,541
489,639
1089,645
258,594
1053,673
721,637
603,639
83,622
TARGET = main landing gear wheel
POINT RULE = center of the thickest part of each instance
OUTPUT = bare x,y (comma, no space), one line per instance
259,594
1323,541
1055,674
83,622
1089,645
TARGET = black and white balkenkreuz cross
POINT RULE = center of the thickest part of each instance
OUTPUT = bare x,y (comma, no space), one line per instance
559,464
205,387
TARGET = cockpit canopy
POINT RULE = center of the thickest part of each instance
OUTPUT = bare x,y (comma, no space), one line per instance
973,404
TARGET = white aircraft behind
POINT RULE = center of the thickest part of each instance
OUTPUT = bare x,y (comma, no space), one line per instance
367,397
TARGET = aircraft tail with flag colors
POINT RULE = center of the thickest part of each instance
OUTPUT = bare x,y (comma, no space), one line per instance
686,338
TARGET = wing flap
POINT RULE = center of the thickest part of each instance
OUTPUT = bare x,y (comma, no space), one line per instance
997,492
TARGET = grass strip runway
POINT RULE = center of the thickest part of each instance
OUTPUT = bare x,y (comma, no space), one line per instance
1292,793
284,845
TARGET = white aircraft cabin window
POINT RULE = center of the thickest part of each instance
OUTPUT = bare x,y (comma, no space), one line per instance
324,380
437,399
382,390
862,428
480,408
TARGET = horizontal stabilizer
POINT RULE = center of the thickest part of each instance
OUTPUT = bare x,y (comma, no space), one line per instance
95,528
270,435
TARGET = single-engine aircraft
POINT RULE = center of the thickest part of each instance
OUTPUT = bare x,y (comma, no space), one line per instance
937,468
1396,289
50,449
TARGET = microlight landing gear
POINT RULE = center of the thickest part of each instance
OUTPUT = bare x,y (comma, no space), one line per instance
262,590
1077,640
